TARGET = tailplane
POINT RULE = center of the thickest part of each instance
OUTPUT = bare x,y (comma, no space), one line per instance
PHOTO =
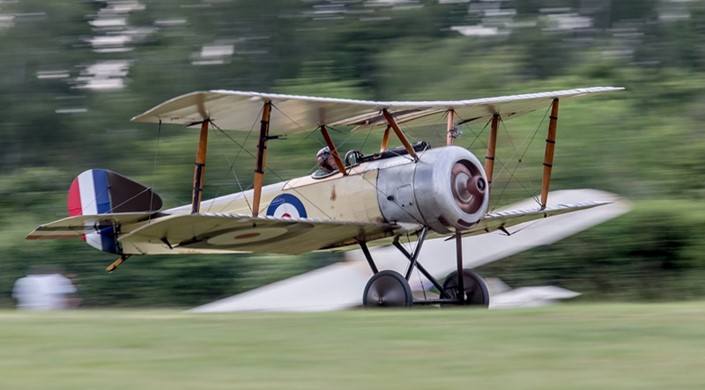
97,192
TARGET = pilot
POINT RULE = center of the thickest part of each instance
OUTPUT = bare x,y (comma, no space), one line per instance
326,162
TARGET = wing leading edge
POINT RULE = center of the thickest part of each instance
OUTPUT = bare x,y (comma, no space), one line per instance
501,220
237,110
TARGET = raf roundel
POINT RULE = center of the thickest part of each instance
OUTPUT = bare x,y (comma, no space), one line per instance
286,206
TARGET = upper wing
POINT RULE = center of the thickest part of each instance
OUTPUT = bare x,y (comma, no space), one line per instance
218,233
237,110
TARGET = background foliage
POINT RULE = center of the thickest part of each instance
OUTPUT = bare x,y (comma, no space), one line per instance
73,73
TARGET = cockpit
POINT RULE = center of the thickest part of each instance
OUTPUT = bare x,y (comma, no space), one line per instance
327,166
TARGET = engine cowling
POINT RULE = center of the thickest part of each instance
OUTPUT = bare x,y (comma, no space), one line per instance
446,189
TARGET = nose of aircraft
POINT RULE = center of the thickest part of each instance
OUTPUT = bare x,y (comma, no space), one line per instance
468,187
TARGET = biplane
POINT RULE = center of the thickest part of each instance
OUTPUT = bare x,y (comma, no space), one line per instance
353,200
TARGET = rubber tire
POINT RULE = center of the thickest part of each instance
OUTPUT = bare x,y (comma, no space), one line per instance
387,289
476,293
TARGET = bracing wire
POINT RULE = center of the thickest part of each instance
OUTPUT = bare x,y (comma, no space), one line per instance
519,161
231,167
270,170
154,167
364,143
287,117
477,136
421,283
416,268
231,163
247,137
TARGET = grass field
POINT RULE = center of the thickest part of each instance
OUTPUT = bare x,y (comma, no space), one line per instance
560,347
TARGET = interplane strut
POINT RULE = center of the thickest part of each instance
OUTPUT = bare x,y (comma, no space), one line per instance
450,128
548,156
491,147
199,172
261,157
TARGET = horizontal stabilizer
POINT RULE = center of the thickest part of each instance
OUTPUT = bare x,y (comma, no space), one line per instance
73,227
227,233
100,191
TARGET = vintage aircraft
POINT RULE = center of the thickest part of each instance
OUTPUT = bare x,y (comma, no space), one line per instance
352,201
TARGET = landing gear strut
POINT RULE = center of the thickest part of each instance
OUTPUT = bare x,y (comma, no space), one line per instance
390,289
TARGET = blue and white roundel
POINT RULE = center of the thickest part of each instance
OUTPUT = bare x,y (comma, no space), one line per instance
286,206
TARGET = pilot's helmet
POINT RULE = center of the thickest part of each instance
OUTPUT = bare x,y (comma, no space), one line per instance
325,160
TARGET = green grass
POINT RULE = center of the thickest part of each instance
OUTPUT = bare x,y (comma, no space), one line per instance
569,346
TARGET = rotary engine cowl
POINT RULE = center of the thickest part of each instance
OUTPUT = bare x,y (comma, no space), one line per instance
445,190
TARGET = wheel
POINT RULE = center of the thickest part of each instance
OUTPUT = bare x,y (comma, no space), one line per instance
387,289
476,293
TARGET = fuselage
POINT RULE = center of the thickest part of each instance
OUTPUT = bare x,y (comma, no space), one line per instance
351,197
443,189
399,189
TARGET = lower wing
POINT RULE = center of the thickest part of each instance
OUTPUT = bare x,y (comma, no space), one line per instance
501,220
217,233
150,233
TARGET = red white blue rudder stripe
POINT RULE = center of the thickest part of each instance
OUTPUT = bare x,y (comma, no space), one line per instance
100,191
89,194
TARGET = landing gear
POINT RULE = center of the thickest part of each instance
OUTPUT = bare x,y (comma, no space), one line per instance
475,290
391,289
387,289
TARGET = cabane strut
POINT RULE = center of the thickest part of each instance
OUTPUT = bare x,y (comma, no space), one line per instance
333,150
400,134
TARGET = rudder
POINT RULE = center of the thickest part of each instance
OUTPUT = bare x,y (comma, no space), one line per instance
100,191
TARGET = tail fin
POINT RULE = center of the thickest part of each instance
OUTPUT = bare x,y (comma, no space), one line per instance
99,191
